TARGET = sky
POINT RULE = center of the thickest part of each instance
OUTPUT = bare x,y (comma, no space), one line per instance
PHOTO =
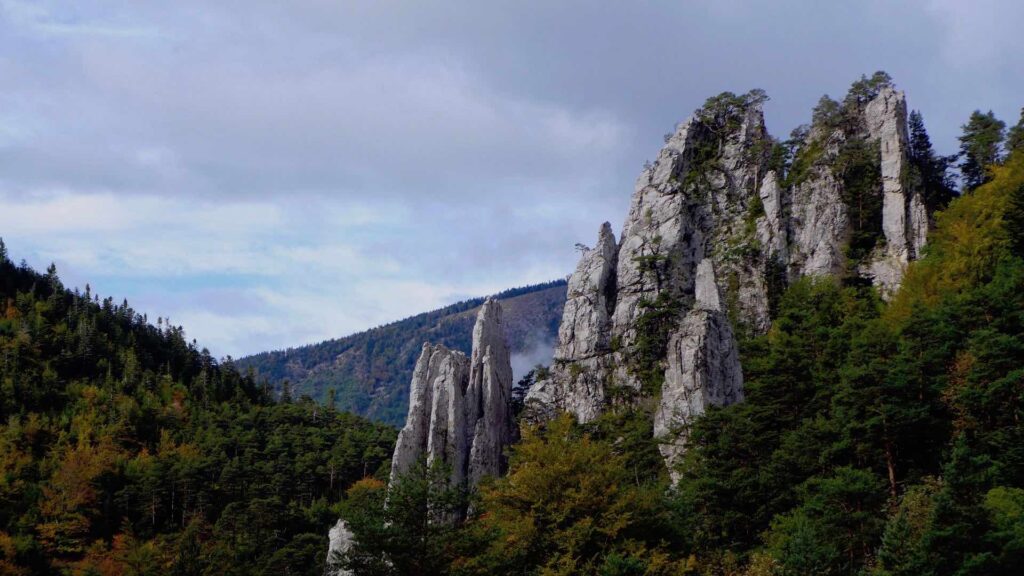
270,174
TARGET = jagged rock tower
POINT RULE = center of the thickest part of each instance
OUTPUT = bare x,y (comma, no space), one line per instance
460,413
719,223
460,409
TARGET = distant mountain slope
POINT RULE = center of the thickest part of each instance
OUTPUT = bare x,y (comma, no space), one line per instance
370,371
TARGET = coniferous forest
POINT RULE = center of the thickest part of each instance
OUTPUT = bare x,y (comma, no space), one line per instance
875,438
125,449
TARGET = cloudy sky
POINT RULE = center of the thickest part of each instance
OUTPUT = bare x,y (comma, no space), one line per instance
269,174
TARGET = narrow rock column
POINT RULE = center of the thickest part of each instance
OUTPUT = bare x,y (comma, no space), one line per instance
703,369
460,409
489,396
904,215
579,371
435,426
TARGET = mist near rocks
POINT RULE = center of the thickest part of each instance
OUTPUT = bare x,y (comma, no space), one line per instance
540,350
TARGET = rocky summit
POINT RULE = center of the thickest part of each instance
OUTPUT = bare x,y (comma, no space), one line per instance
715,232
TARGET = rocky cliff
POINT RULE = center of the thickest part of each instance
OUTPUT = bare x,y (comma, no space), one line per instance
719,223
460,411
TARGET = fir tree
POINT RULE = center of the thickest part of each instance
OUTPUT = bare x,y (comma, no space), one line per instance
1015,135
980,147
931,168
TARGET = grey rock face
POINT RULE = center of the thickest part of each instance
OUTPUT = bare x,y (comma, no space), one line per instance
703,369
460,410
488,401
904,217
772,227
340,541
713,230
583,337
590,298
435,427
660,239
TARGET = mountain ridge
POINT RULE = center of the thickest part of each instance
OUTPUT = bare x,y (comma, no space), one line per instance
369,371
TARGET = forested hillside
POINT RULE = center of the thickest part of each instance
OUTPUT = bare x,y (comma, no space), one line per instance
124,449
368,373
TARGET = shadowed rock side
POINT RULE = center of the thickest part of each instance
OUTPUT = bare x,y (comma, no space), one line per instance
703,369
714,204
460,408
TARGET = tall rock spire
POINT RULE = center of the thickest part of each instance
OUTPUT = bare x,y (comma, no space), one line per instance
577,382
460,409
488,403
904,216
703,369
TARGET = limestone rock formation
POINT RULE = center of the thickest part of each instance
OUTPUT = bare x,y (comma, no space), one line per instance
460,408
435,427
590,298
904,216
340,540
488,400
584,337
703,368
821,220
819,223
460,411
708,195
719,197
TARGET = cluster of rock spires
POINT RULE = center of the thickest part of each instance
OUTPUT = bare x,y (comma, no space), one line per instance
714,233
460,409
716,230
460,413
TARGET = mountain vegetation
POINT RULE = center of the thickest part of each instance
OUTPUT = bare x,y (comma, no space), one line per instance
368,373
125,450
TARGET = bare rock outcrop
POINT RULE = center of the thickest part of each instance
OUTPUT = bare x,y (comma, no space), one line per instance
904,216
340,541
460,409
726,206
703,369
488,400
435,426
820,221
577,381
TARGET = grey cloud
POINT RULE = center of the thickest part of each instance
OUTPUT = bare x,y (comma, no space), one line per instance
476,143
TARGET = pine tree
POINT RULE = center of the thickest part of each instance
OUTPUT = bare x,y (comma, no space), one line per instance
980,147
931,168
1014,220
1015,136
